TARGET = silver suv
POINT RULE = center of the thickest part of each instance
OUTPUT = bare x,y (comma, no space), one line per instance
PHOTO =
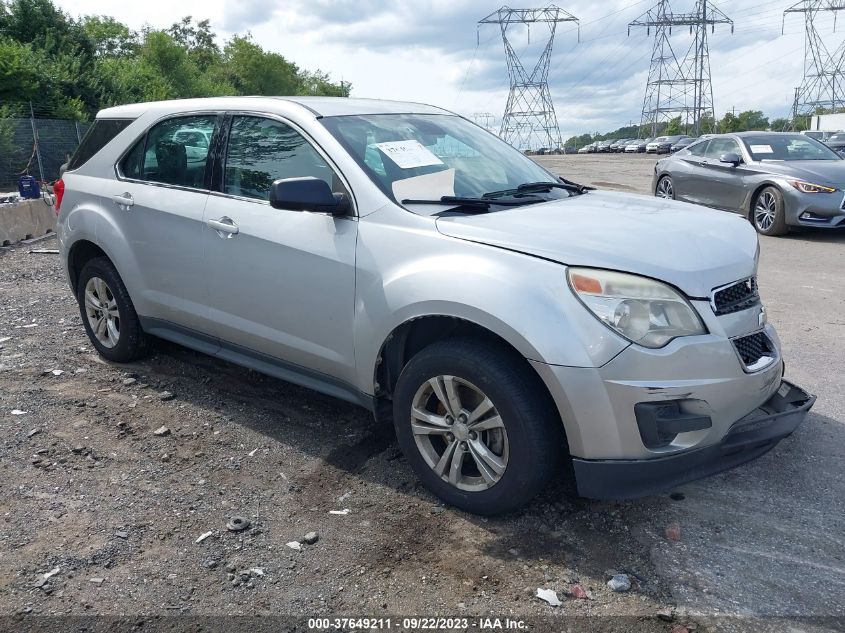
515,326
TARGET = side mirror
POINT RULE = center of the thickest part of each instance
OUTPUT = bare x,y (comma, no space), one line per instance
307,194
731,157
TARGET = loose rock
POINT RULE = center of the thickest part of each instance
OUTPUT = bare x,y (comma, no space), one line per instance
164,396
311,538
619,583
161,431
673,532
577,591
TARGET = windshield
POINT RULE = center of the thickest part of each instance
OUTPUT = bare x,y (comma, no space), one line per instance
787,147
837,137
427,156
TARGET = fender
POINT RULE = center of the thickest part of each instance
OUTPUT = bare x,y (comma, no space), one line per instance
523,299
751,195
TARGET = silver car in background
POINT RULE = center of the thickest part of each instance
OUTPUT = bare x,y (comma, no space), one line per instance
777,180
402,258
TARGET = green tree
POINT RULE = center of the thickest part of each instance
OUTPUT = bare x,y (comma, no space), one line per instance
72,68
318,83
706,125
779,124
753,120
578,141
254,71
729,123
109,37
198,40
673,127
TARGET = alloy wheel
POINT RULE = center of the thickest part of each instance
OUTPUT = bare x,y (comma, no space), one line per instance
459,433
101,310
665,189
765,210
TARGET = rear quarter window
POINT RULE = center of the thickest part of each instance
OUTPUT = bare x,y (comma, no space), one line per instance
95,139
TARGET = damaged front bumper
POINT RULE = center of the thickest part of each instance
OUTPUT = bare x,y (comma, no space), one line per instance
748,438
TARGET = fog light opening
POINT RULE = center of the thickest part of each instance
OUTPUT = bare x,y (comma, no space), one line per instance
809,216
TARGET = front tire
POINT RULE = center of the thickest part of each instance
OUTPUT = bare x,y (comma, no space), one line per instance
665,188
108,315
768,214
476,425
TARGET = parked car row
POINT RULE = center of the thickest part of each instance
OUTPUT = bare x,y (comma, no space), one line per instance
650,145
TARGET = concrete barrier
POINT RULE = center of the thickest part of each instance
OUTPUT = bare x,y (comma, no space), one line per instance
24,220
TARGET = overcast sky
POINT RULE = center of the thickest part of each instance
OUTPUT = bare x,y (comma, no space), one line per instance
426,50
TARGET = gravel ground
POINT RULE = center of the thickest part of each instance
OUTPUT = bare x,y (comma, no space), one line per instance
117,511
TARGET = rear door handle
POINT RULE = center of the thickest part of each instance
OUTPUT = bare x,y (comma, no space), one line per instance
123,200
224,226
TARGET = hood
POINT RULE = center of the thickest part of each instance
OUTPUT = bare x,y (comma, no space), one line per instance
691,247
821,172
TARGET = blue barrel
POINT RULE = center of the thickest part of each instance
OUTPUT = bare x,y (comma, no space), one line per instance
28,188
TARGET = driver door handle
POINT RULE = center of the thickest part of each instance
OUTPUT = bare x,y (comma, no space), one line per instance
123,199
224,226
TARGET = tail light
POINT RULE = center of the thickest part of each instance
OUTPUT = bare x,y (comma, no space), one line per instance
59,192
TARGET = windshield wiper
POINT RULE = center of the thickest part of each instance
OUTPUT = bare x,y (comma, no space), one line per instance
536,187
478,203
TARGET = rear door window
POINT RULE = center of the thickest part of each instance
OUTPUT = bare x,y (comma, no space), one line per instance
95,139
173,152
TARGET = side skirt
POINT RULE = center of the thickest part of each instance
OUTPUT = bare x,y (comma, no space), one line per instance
262,363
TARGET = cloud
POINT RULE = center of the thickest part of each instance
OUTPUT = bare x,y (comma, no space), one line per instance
242,15
433,50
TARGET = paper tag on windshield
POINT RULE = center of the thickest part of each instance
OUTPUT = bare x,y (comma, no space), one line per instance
761,149
409,154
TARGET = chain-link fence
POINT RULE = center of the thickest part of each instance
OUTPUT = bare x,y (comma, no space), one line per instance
34,140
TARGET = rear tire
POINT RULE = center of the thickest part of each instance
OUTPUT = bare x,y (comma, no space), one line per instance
107,313
768,213
485,463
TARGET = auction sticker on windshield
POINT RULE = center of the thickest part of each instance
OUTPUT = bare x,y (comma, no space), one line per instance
409,154
761,149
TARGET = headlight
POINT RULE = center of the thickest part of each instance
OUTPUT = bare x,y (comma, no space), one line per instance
642,310
809,187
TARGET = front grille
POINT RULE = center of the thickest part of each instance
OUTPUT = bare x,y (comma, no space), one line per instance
753,347
739,296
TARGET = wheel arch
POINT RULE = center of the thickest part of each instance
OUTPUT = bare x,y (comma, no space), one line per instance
415,334
755,192
79,254
660,176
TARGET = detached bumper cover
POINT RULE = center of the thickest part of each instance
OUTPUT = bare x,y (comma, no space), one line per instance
748,438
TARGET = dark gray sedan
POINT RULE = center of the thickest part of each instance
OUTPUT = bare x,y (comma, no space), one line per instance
777,180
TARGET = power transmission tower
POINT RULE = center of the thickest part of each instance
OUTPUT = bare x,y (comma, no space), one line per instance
484,119
821,89
679,87
529,121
